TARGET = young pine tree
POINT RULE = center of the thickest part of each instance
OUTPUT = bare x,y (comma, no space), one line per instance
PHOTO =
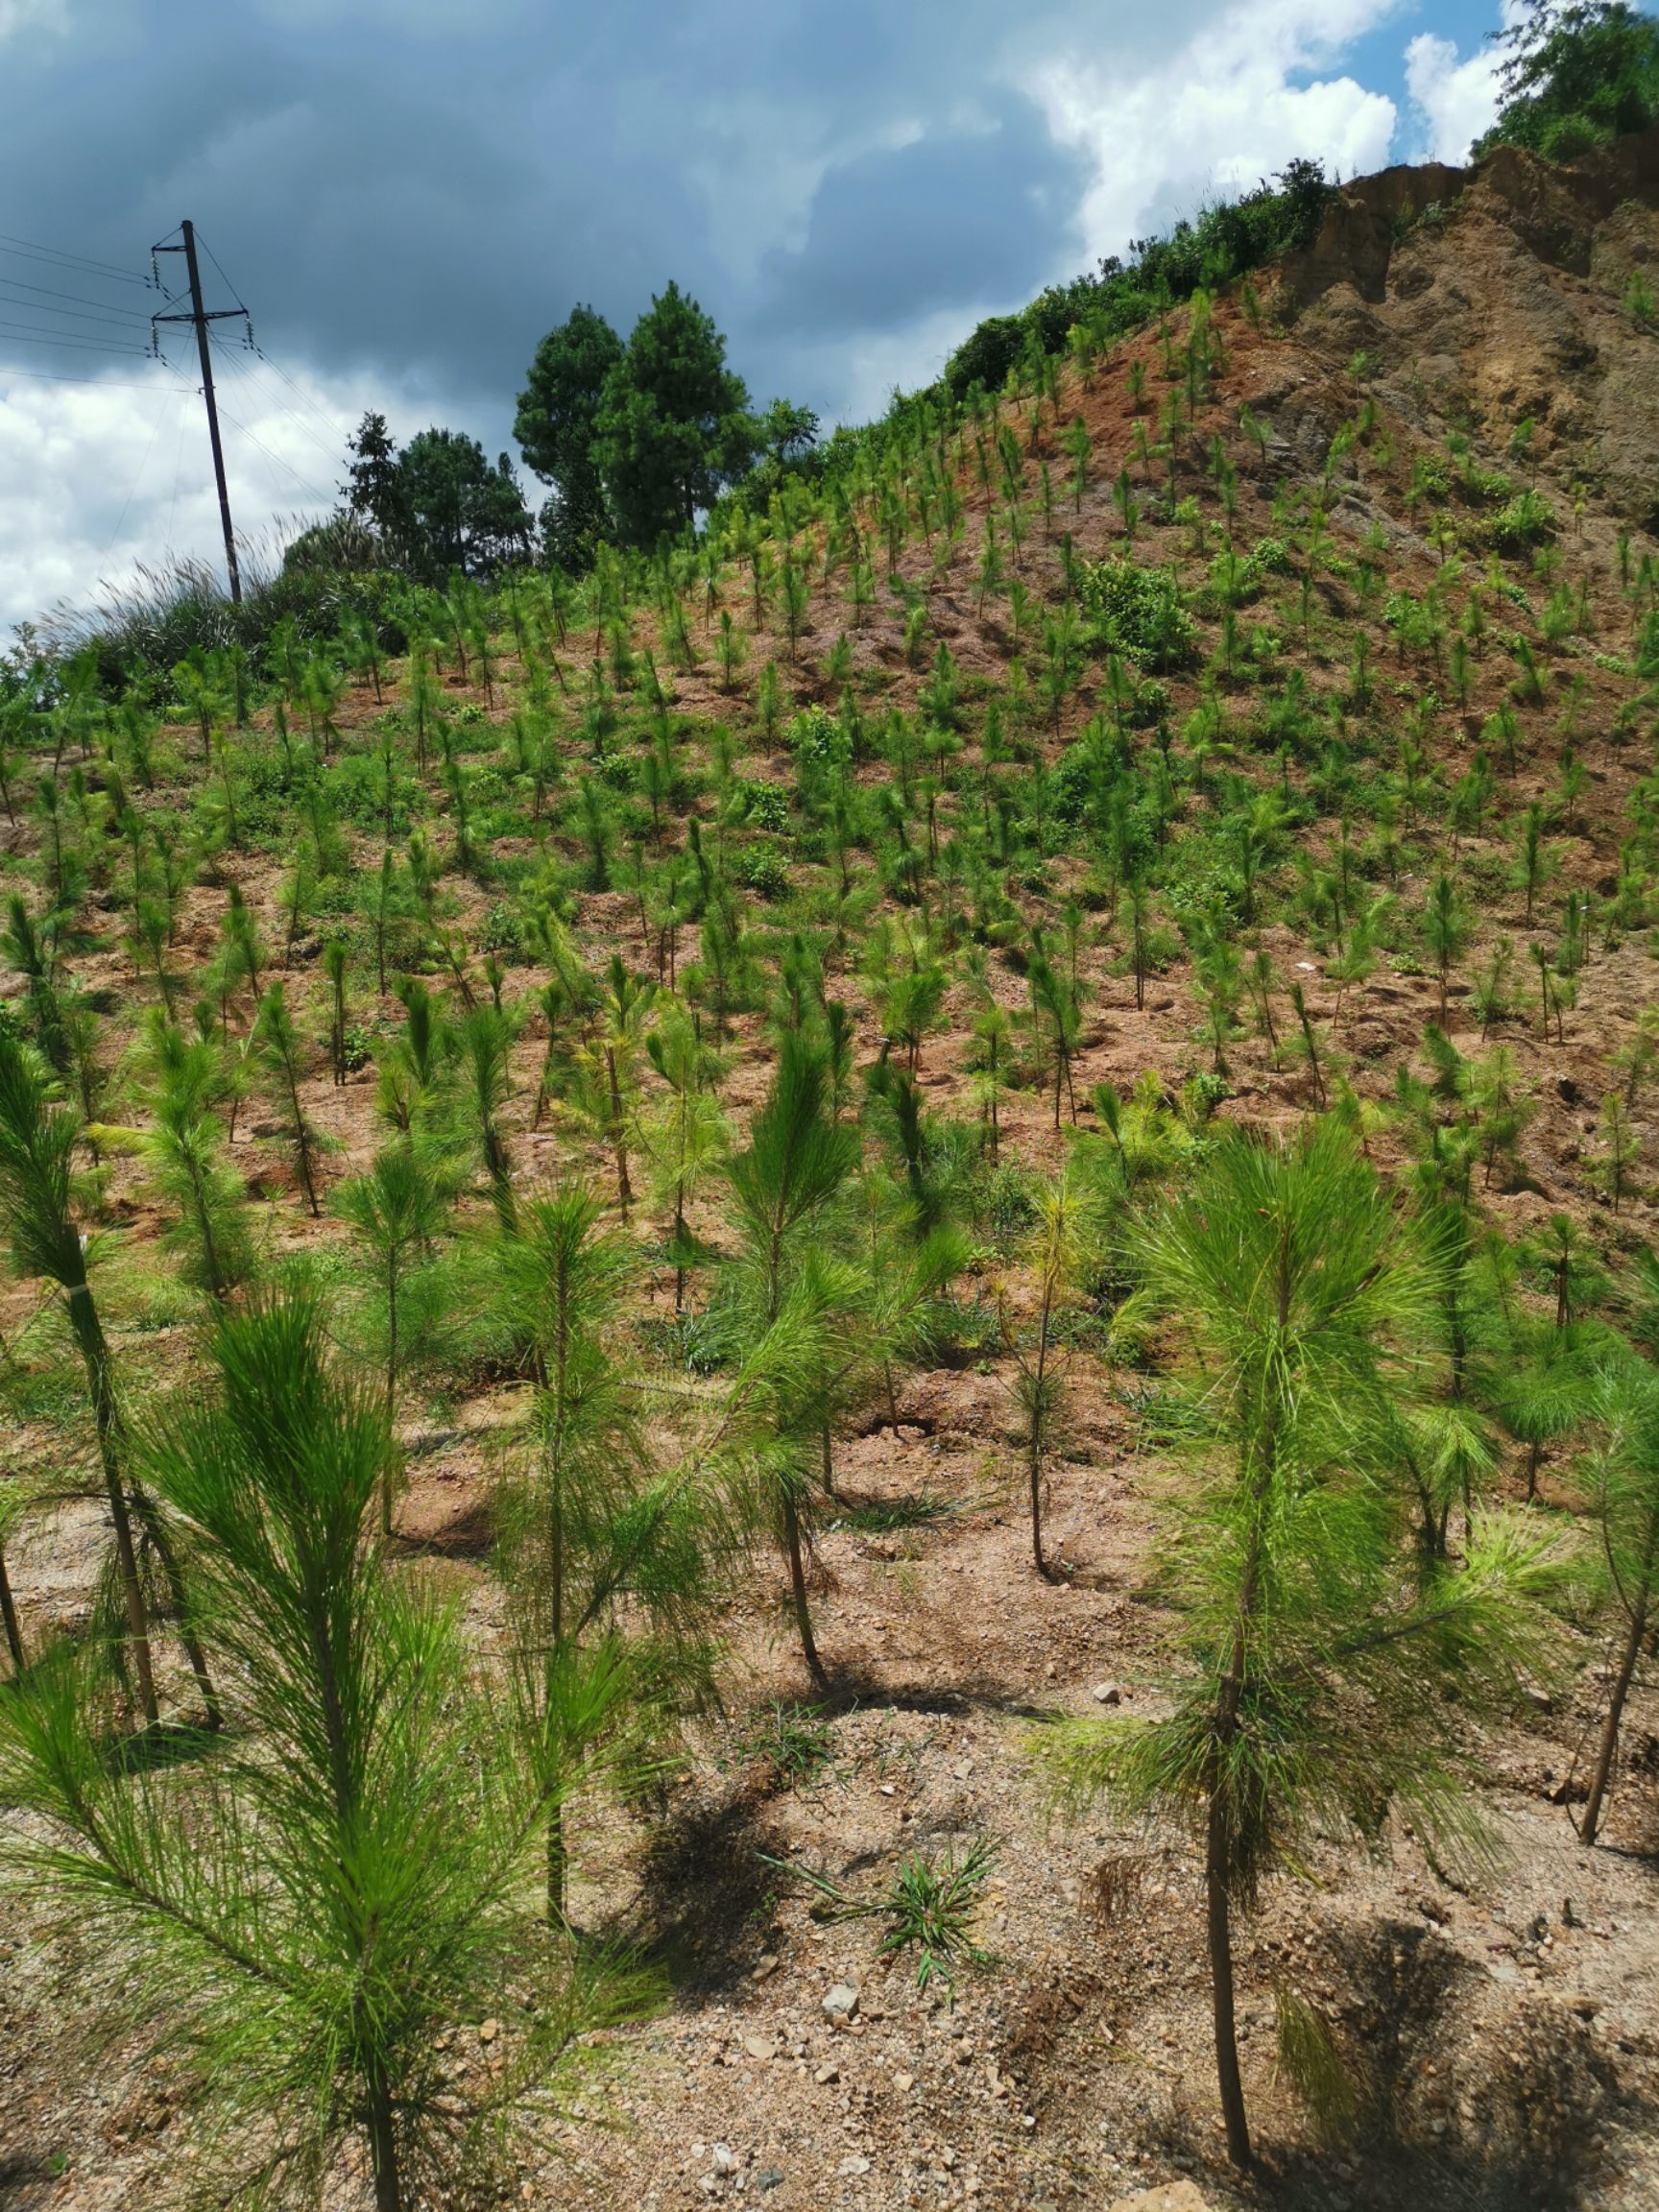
684,1134
37,1146
606,1557
788,1304
185,1147
398,1211
1625,1497
1311,1630
277,1041
1056,1252
313,1907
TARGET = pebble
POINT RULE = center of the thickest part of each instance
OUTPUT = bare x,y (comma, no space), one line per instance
1108,1693
490,2031
841,2002
761,2047
854,2165
723,2158
903,2082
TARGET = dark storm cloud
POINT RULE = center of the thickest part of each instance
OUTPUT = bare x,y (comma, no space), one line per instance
422,188
980,214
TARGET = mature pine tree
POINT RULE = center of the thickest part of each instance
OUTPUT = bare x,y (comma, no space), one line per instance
374,487
463,514
554,427
674,424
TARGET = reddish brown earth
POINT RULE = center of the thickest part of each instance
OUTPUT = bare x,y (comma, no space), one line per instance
1514,2018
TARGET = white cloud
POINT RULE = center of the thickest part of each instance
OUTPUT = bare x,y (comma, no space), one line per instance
1224,109
102,476
1453,102
19,15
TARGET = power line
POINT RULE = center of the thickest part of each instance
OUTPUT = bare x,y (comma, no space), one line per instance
304,483
331,424
98,383
83,299
271,398
73,315
132,489
33,334
224,280
22,250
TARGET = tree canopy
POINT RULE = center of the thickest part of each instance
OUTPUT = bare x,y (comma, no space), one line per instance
558,410
1576,77
674,424
437,505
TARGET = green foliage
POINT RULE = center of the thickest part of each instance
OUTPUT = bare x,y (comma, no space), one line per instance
930,1908
556,426
1308,1626
1223,243
315,1903
463,514
1526,520
794,1743
673,424
1139,611
1574,77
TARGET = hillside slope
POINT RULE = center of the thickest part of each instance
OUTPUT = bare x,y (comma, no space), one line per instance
1276,744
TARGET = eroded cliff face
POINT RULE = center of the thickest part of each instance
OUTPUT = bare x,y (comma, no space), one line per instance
1507,292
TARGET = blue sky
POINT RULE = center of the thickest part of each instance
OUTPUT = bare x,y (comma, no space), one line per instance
407,193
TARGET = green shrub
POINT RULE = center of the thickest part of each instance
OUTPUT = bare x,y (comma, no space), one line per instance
764,806
1525,520
764,870
1140,612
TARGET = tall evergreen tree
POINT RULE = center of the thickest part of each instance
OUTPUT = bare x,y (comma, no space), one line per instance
674,423
463,514
374,487
556,429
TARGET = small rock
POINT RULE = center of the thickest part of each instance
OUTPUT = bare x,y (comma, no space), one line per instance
761,2047
826,2075
769,2178
854,2164
490,2031
903,2082
1173,2197
1108,1693
724,2159
841,2002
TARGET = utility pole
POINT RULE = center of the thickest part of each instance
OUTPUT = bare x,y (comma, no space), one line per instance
200,318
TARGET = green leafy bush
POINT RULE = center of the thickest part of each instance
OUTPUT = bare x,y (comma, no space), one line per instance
765,871
766,808
1525,520
1140,612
